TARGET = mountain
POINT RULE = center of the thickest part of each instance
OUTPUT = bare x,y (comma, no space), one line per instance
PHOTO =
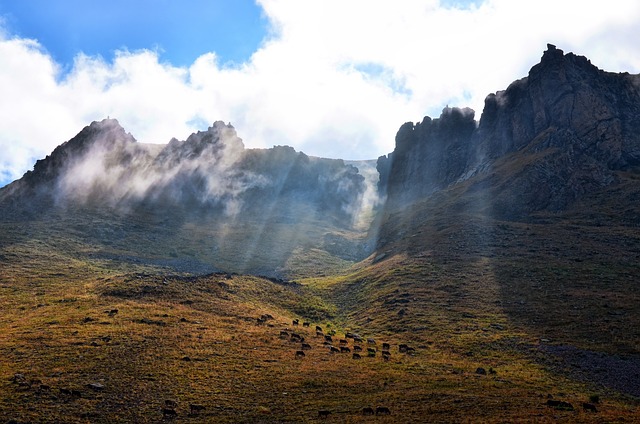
494,261
206,201
530,214
549,139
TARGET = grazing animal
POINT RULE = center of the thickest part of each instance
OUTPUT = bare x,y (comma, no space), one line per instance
305,324
371,354
382,410
306,346
328,338
357,339
284,334
386,358
403,348
112,312
169,413
371,349
345,349
357,356
324,413
348,336
64,391
295,322
367,411
589,407
357,348
333,349
170,403
371,341
343,342
386,346
326,343
319,334
194,408
318,328
260,321
410,350
76,393
299,354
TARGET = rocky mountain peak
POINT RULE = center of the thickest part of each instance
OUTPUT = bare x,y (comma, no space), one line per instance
570,125
218,138
106,134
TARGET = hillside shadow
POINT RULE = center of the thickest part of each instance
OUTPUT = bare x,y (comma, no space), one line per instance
565,286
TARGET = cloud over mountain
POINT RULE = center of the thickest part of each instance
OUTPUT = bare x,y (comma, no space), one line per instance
332,79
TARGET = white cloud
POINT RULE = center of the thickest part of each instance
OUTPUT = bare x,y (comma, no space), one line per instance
334,79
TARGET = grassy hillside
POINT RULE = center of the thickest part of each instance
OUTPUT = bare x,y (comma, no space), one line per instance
269,245
197,340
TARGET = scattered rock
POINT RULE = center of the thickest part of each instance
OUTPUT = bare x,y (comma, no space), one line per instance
98,387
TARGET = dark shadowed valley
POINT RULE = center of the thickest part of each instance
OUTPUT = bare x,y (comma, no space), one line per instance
483,271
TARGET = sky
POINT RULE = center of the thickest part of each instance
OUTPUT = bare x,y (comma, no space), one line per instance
329,78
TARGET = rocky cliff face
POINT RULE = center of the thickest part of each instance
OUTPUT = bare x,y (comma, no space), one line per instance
428,156
564,130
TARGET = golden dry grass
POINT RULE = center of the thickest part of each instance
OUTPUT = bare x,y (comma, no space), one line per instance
197,340
464,291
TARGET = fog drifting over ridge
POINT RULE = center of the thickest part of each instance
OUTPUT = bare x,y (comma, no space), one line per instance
205,203
211,173
330,84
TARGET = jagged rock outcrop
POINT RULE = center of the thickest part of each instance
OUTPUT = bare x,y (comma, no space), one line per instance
428,156
107,135
549,138
566,92
44,185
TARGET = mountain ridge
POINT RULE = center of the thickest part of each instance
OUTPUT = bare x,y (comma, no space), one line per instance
564,103
496,270
548,141
275,201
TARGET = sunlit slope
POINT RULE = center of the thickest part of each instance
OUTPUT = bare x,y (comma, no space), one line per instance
84,343
558,290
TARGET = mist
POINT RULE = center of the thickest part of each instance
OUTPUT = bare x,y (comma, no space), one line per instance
250,210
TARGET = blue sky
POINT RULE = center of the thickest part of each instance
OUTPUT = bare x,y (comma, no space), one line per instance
180,30
331,78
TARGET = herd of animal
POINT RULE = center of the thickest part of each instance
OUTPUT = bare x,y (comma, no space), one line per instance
329,341
351,343
304,340
170,405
